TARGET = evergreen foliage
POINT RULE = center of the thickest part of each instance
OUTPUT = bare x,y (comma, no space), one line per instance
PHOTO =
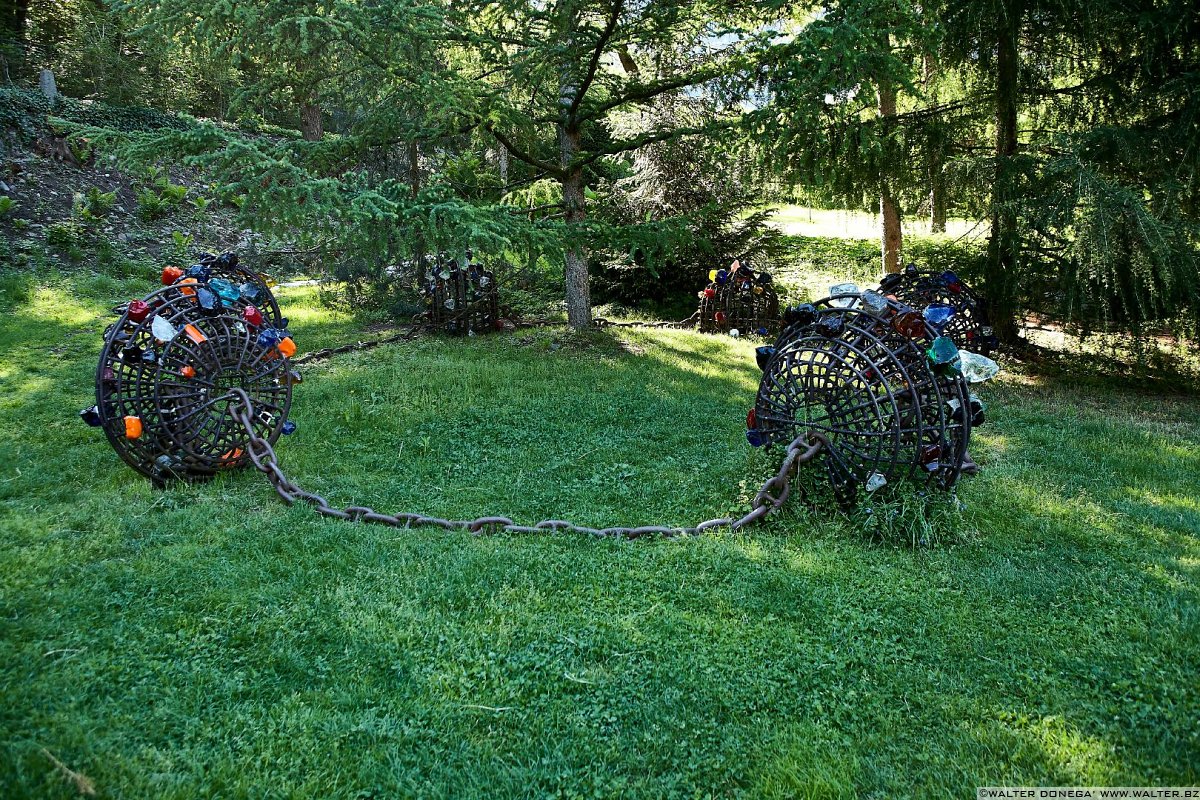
636,138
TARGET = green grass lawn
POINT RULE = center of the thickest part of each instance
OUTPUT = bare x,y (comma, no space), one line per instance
208,641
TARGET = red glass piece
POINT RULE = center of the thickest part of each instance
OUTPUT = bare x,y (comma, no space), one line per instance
138,310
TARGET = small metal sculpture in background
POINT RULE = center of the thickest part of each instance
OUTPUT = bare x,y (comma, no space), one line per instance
884,387
462,300
170,360
946,292
739,300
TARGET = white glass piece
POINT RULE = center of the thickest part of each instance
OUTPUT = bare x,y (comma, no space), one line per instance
976,368
162,330
844,288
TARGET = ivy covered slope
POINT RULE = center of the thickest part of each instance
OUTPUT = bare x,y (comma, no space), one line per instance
209,641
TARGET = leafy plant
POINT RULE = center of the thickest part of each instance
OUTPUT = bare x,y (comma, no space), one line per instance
200,203
64,235
171,192
151,205
180,242
7,204
93,204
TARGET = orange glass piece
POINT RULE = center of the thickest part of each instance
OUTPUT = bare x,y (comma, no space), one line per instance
287,348
188,291
170,275
133,427
194,334
231,455
188,371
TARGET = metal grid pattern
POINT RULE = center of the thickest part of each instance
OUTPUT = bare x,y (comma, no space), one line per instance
462,300
968,328
165,373
739,298
865,383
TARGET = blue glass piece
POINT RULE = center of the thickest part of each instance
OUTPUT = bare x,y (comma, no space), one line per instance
250,292
227,259
200,272
225,290
208,302
937,315
288,428
757,438
763,354
722,276
949,277
761,331
268,337
91,416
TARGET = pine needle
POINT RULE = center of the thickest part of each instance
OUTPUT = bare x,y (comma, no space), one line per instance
83,784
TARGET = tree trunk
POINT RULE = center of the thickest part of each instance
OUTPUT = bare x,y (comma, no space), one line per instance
579,302
892,239
937,194
311,127
937,184
889,209
570,135
1000,274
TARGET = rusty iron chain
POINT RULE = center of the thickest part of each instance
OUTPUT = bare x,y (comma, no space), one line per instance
773,494
690,322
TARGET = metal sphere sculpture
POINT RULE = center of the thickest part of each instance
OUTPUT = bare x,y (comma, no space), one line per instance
874,379
166,369
462,300
739,298
967,321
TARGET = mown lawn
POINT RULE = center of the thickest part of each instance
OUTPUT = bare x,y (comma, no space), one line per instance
208,641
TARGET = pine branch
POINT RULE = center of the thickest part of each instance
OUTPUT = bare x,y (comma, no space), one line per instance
594,62
521,155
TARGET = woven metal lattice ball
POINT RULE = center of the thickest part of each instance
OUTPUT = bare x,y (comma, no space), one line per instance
739,298
968,327
462,300
164,375
863,378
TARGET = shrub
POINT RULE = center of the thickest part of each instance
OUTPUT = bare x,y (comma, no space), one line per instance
64,235
7,204
93,204
151,205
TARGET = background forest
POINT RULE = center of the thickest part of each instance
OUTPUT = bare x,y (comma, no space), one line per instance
620,149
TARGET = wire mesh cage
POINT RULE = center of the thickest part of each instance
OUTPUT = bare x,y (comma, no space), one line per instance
873,378
741,299
945,293
462,300
165,371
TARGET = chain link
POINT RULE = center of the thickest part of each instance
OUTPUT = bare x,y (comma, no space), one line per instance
773,494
